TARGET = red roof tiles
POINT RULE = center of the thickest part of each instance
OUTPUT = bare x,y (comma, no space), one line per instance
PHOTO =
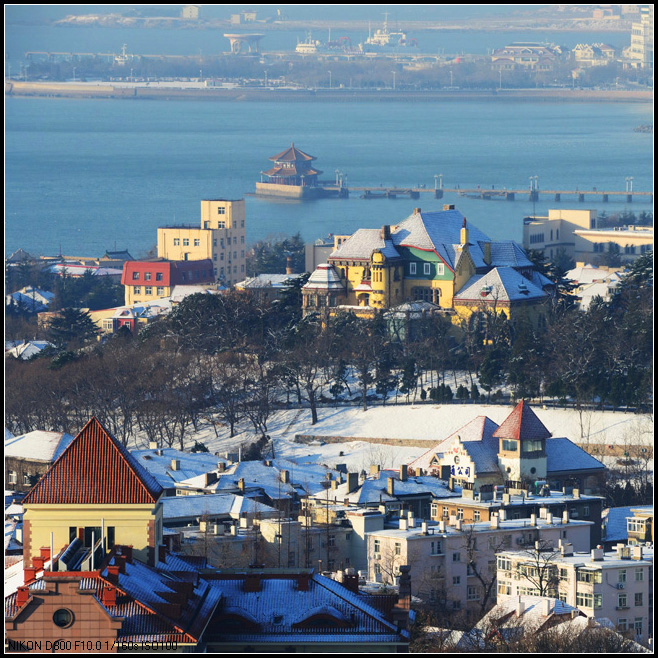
95,469
521,424
292,154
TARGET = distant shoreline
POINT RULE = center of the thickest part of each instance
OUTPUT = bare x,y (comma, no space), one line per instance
239,94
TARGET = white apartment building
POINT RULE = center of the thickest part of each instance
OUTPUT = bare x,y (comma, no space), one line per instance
455,561
617,585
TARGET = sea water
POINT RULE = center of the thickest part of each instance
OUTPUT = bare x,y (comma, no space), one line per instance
85,176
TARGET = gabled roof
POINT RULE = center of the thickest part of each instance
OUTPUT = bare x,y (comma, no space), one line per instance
292,154
361,244
521,424
291,171
95,469
502,284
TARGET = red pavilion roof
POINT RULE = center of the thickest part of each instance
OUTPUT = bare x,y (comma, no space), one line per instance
292,154
522,423
291,171
95,469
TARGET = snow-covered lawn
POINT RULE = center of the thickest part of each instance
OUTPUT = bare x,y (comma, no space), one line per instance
418,422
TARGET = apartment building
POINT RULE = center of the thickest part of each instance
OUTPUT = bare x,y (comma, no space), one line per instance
220,237
616,585
455,562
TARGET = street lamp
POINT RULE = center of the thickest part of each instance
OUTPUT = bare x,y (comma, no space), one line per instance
329,72
631,180
393,72
74,74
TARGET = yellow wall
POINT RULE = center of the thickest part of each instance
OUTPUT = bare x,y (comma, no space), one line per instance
181,251
131,298
131,524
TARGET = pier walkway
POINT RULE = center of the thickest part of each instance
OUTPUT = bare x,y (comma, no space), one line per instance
485,193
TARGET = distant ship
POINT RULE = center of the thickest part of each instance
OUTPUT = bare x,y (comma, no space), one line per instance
310,47
383,39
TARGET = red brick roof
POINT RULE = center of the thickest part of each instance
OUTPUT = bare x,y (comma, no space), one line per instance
95,469
522,423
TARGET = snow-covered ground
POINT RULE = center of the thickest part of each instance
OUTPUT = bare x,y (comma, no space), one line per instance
418,422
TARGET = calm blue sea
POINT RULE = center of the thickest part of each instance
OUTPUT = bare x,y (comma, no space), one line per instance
84,176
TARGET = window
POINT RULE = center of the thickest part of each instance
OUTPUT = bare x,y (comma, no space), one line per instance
148,290
26,478
242,239
221,223
473,593
460,513
446,512
427,268
456,557
197,242
186,242
504,588
584,600
639,575
435,548
13,477
456,580
476,515
622,625
176,242
147,276
532,446
377,546
412,268
638,625
398,548
160,290
332,540
639,599
622,601
158,276
135,276
221,210
137,290
598,601
622,576
63,618
440,269
509,444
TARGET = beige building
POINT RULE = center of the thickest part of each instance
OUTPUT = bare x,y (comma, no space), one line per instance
615,585
630,242
220,237
556,231
640,52
455,562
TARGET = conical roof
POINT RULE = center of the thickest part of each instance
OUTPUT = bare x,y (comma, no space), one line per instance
95,469
521,424
292,154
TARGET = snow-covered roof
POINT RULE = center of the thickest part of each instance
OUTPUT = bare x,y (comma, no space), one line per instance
180,292
186,508
190,464
615,521
564,455
589,274
38,445
324,277
267,281
502,284
361,244
27,349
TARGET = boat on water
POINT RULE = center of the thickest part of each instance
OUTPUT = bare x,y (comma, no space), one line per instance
384,39
310,46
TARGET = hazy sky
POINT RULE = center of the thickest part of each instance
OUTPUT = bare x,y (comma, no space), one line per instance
24,13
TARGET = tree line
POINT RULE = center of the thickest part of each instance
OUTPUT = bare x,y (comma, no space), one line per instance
237,358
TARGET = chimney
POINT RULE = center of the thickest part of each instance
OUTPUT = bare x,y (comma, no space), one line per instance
565,516
352,482
386,232
458,524
29,575
411,520
252,582
390,489
37,563
545,607
221,466
597,554
303,580
153,445
502,514
22,595
374,469
241,485
636,552
210,478
463,234
448,206
128,552
520,607
113,574
289,266
44,551
494,521
549,518
576,493
162,553
109,596
403,473
416,211
423,526
334,485
533,519
120,560
175,464
487,253
351,580
566,549
442,526
404,524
